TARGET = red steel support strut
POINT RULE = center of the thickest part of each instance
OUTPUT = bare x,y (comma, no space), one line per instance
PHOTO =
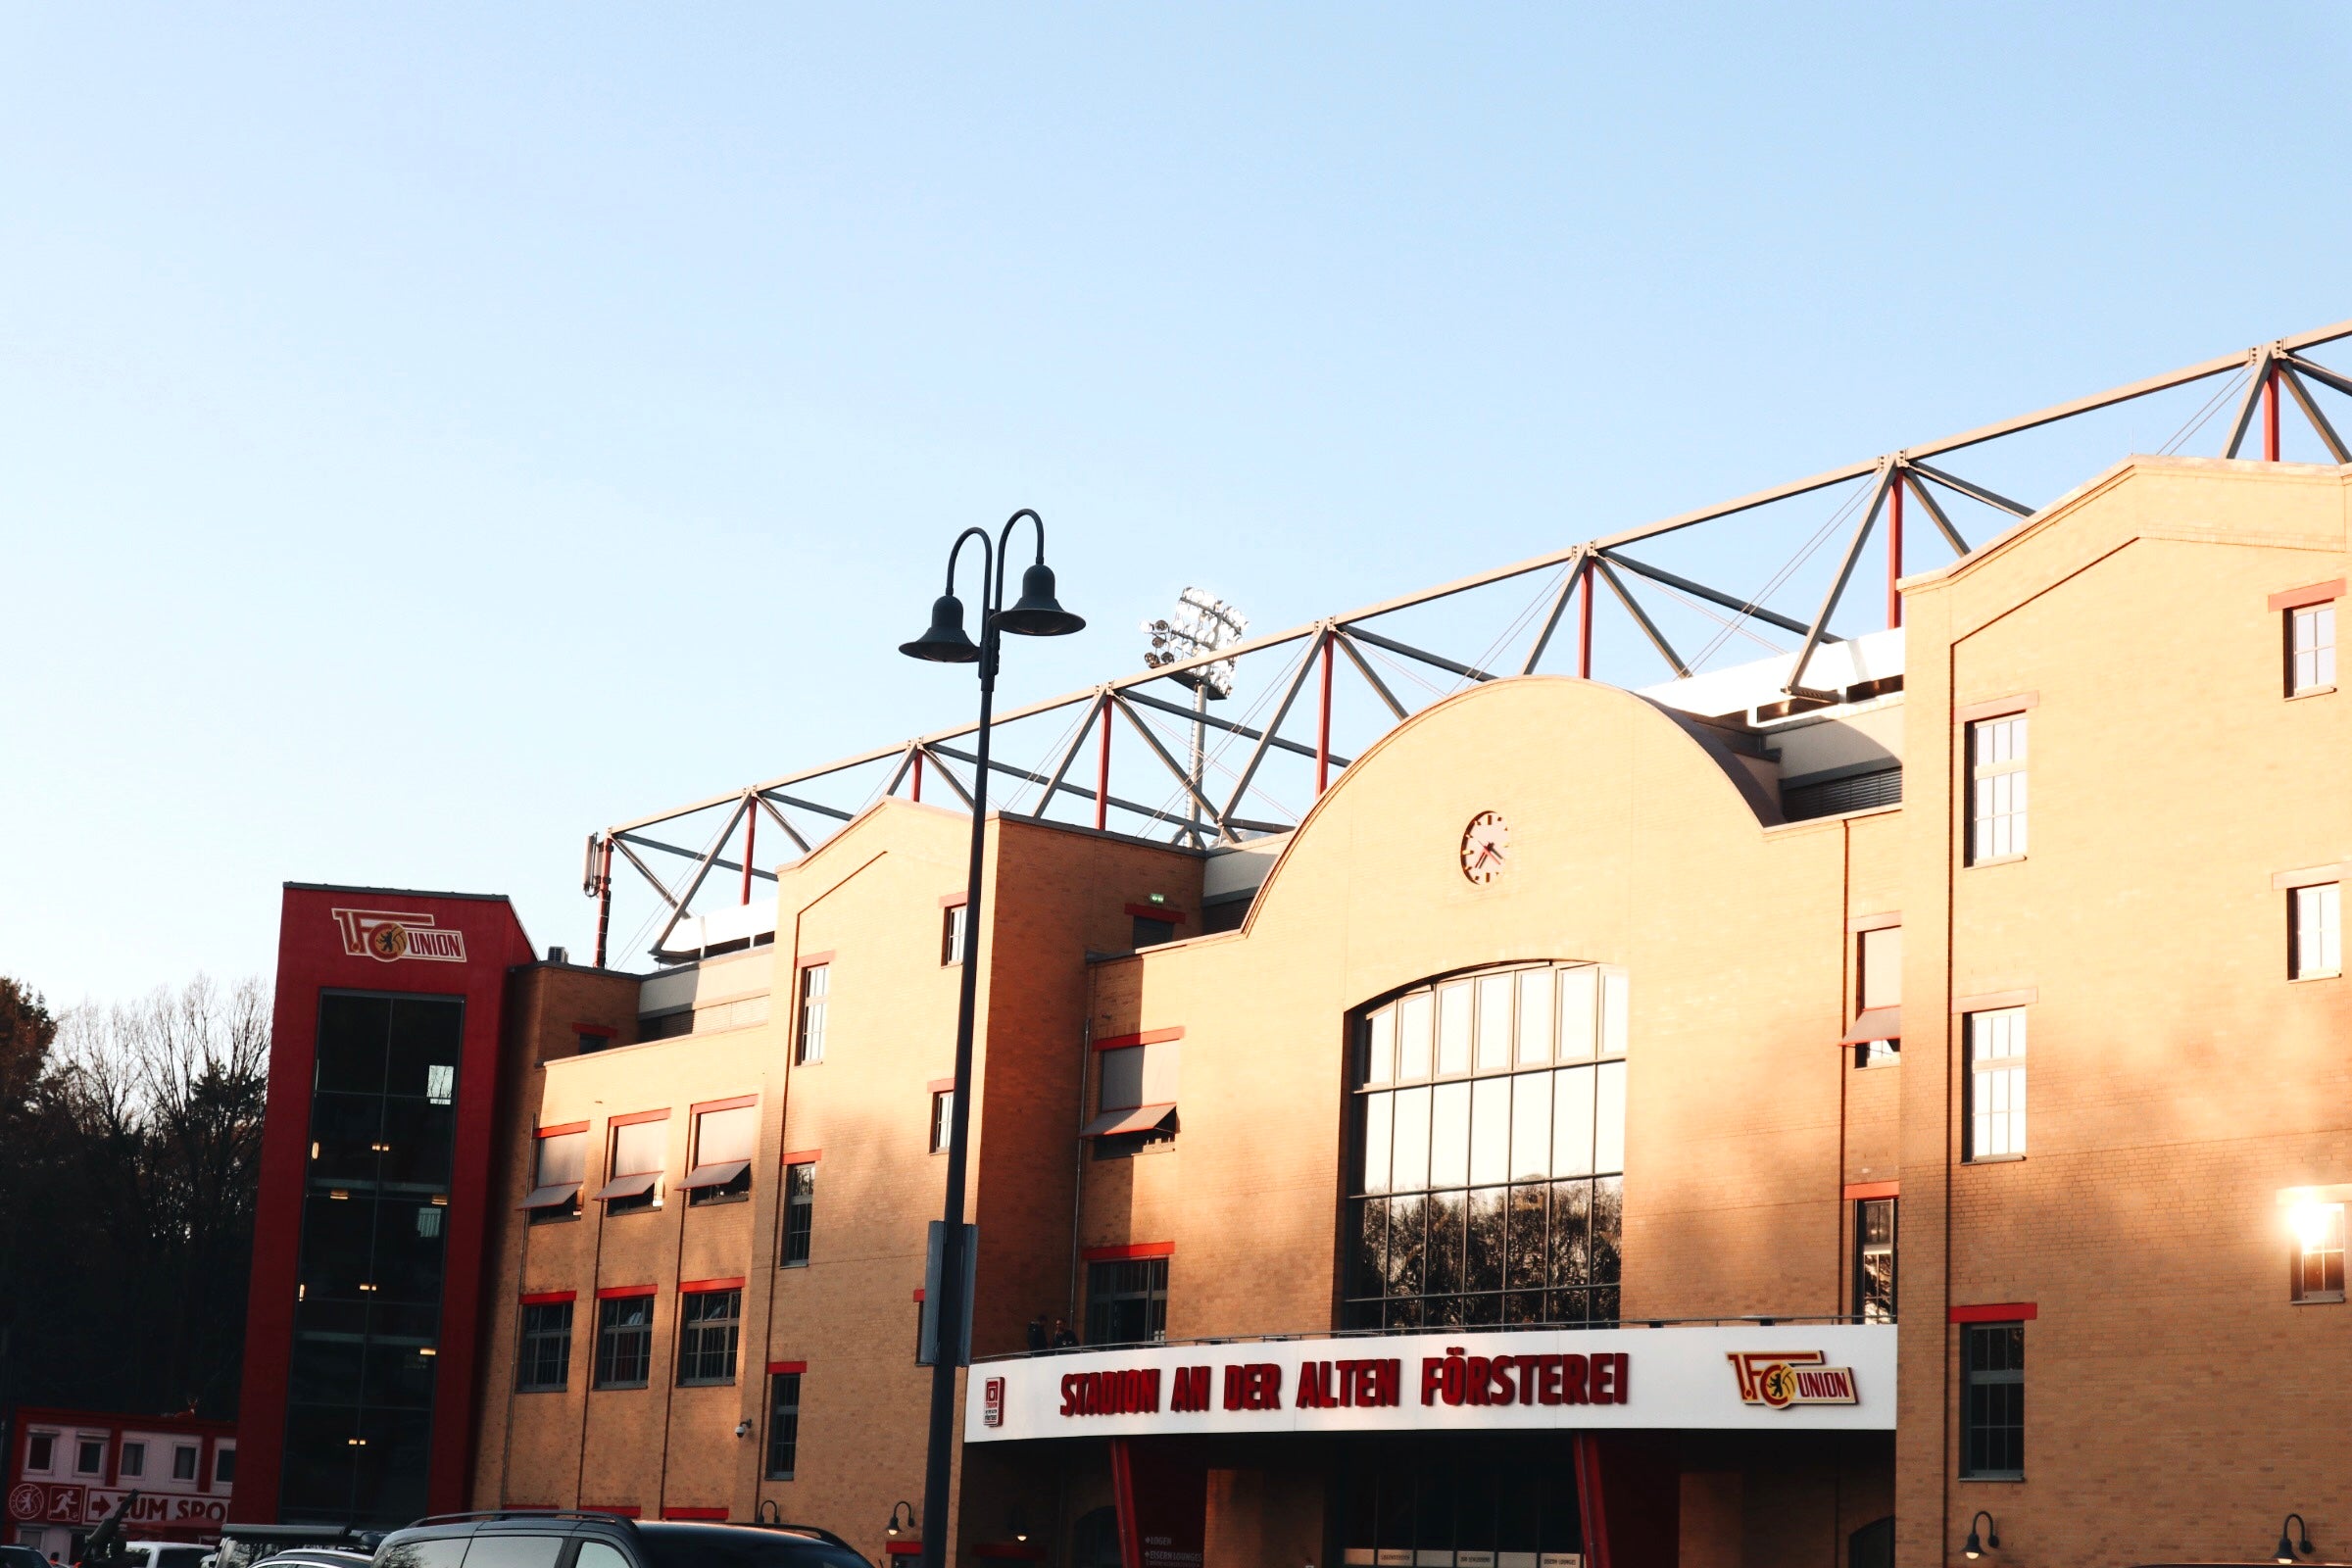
1584,624
2269,415
1323,722
1894,552
1103,773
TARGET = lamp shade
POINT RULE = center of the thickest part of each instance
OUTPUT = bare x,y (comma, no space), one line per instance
945,643
1038,614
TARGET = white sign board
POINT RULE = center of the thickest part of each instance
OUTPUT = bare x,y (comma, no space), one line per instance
1838,1377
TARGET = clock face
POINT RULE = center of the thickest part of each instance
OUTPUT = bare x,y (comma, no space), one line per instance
1486,847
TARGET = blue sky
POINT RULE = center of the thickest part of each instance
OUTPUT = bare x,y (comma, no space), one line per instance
429,432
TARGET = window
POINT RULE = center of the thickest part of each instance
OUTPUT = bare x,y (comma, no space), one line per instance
2315,917
591,1040
1150,932
640,1151
1486,1170
89,1456
543,1362
40,1451
1996,788
724,1141
783,1424
624,1342
1873,1259
1127,1302
225,1465
183,1463
815,982
1878,997
799,1212
1997,1084
953,923
708,1325
943,1119
135,1459
1992,1401
561,1163
2319,1252
2310,649
1134,1094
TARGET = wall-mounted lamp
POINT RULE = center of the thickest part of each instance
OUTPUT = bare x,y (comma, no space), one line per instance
902,1517
2289,1545
1972,1548
1016,1524
743,1428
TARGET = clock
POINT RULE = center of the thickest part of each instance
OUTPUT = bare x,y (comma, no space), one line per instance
1486,846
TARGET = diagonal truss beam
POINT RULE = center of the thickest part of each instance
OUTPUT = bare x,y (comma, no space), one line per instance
1193,714
1364,668
2311,411
685,899
1177,771
776,816
1282,710
621,841
1085,730
1975,492
1845,573
1551,617
1943,524
1632,608
2249,402
1437,660
939,755
1700,590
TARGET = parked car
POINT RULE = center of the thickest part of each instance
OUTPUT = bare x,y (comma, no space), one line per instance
165,1554
16,1556
317,1557
542,1538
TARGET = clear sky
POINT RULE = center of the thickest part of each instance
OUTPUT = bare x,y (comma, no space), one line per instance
428,432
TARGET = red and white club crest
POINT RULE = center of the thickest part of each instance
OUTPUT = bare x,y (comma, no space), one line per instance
390,935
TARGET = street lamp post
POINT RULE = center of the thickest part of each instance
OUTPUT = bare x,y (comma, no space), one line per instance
1037,614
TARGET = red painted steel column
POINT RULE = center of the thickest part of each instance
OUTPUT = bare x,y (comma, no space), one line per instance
603,900
1894,553
1584,625
1323,723
751,836
919,778
2270,416
1103,773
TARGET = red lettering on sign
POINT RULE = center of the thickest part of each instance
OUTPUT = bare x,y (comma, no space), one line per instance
1604,1379
1575,1374
1501,1390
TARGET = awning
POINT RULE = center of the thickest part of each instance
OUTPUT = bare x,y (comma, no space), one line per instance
1878,1023
627,1187
716,1175
1135,1120
555,1196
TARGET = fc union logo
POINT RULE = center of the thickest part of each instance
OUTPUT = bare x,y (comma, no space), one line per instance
1778,1378
390,935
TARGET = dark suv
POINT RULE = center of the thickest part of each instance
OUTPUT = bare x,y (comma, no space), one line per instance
570,1540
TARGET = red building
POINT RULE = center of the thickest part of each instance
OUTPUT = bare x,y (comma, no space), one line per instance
69,1470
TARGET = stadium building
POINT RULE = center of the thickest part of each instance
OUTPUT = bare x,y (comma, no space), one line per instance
1882,1101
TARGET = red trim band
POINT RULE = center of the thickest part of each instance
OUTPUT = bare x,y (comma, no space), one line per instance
788,1366
1855,1191
561,1129
736,1104
1996,1312
1150,1037
803,1156
2319,593
1156,911
809,960
905,1548
715,1515
1128,1251
546,1298
632,1119
705,1287
615,1293
940,1086
954,900
585,1029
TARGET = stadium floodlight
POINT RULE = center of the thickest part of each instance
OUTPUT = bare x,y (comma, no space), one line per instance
1202,623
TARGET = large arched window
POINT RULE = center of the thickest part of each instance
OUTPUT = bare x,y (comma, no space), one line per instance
1486,1172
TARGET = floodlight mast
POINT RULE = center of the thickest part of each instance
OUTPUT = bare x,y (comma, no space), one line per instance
1201,625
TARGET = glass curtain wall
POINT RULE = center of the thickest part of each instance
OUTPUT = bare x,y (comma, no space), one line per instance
1486,1168
374,1206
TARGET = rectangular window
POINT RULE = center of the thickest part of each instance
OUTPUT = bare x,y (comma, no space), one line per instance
1149,932
40,1451
1992,1401
640,1151
559,1166
135,1459
950,935
799,1212
1873,1259
89,1456
225,1466
783,1424
2310,649
624,1342
2315,917
710,1322
943,1119
183,1463
2319,1252
725,1142
1996,788
592,1040
815,982
1997,1084
1127,1302
1881,960
543,1361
